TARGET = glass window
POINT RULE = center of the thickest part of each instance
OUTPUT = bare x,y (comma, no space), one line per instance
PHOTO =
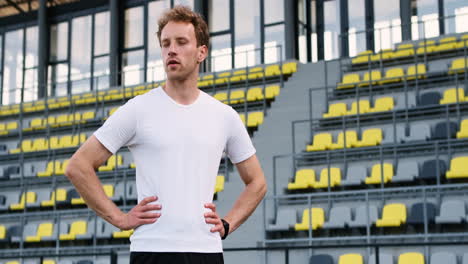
59,41
357,27
424,19
134,27
30,85
247,17
456,12
101,73
80,70
218,15
221,53
155,69
274,11
274,44
58,79
13,67
331,14
387,24
133,67
188,3
101,33
32,35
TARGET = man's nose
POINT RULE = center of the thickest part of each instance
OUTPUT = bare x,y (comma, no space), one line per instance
172,49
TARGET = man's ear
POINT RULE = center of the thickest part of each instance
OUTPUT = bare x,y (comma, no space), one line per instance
203,53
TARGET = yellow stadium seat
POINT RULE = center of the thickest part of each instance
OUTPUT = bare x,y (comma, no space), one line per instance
289,67
272,70
54,142
76,228
3,130
446,44
239,75
132,165
318,218
453,95
404,50
2,232
50,169
26,198
25,146
411,258
458,66
59,195
376,174
393,75
112,162
370,137
108,190
414,71
392,215
112,110
221,96
463,133
324,182
254,94
40,144
383,104
384,54
304,179
87,116
61,120
255,119
272,91
48,261
351,139
349,81
36,123
61,170
362,57
255,73
12,262
44,230
242,117
222,78
458,168
219,186
364,107
336,109
351,259
12,126
427,46
122,234
236,97
376,76
322,141
463,42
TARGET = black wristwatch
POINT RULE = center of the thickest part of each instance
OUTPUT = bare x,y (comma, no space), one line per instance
226,229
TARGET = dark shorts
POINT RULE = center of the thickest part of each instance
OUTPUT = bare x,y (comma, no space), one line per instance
175,258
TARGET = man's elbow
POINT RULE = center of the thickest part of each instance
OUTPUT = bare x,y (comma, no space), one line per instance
262,187
72,169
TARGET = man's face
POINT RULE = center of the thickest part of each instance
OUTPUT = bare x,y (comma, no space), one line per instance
179,49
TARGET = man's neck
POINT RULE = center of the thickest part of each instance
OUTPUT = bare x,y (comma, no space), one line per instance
182,91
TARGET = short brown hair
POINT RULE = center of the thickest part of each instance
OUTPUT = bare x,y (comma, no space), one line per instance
182,13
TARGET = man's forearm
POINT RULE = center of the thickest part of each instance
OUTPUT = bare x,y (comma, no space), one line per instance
246,203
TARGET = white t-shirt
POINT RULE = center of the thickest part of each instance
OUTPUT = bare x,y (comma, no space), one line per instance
177,150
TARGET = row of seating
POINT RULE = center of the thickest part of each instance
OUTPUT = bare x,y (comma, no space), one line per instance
67,196
54,142
238,96
451,212
409,49
60,120
324,141
58,168
384,258
52,261
406,171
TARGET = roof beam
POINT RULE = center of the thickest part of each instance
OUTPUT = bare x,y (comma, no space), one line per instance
13,4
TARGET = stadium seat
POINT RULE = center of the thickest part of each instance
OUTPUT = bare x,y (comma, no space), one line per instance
382,104
444,130
26,198
370,137
254,94
463,132
236,97
330,178
416,71
57,196
52,166
404,50
305,178
429,169
349,81
255,119
43,230
393,75
383,259
321,141
362,57
453,96
458,168
272,91
458,66
364,107
285,218
425,47
360,216
465,258
122,234
355,175
407,171
446,44
237,76
411,258
416,216
463,42
451,212
336,109
392,215
370,78
376,174
87,116
351,139
339,217
76,230
429,98
383,54
272,70
3,235
443,257
25,146
318,218
351,259
113,162
255,73
219,186
289,67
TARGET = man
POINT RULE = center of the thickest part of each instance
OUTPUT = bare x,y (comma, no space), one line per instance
176,134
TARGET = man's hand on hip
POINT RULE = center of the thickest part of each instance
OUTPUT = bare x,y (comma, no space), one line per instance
213,218
140,214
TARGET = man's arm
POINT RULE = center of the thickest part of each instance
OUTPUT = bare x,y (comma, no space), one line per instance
81,172
255,189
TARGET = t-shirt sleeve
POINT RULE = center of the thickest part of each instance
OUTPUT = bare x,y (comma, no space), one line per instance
239,146
120,128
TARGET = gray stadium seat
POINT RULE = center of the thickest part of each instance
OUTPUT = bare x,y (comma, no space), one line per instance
451,212
65,262
388,137
104,229
465,258
29,230
416,216
360,216
131,192
10,197
383,259
285,218
406,171
15,233
429,169
339,217
118,191
321,259
66,224
417,132
429,98
42,195
443,257
355,175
